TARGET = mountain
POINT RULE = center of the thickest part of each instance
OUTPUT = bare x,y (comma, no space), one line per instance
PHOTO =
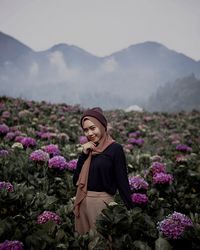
66,73
181,95
11,49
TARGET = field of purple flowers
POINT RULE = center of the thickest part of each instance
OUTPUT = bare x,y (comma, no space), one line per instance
39,146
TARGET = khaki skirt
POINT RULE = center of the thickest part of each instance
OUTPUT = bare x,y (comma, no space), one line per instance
90,208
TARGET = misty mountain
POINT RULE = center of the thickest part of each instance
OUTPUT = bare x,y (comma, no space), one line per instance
183,94
66,73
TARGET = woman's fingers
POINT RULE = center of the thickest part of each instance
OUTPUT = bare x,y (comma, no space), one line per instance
87,146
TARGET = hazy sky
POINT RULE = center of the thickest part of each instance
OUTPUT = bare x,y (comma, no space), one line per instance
103,26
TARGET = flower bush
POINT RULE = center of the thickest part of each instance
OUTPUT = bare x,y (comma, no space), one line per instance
39,156
47,216
174,225
11,245
164,177
58,162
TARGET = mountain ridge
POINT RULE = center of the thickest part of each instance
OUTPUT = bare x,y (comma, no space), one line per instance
67,73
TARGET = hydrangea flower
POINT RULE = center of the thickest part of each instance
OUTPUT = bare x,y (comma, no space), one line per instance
83,139
157,167
51,149
10,136
6,114
140,199
134,141
19,138
6,185
39,156
162,178
11,245
3,153
17,145
47,216
174,225
71,165
4,129
137,183
58,162
28,142
134,134
183,148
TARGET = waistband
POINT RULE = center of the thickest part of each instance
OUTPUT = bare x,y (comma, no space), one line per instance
98,194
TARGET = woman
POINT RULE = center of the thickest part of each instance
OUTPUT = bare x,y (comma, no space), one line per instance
101,170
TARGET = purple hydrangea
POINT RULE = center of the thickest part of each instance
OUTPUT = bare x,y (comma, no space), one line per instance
3,153
6,114
19,138
134,141
140,199
183,148
51,149
10,136
4,129
162,178
39,156
28,142
83,139
158,167
47,216
58,162
138,183
46,135
174,225
11,245
134,134
71,165
6,185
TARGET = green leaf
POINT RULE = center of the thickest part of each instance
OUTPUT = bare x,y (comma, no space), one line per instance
162,244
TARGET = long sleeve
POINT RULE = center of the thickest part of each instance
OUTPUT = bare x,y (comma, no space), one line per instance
80,162
122,177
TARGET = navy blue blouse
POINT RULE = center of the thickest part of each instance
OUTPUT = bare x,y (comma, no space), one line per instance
107,173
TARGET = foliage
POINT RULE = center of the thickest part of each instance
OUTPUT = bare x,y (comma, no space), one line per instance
33,186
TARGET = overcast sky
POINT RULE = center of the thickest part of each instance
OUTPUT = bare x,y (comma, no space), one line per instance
103,26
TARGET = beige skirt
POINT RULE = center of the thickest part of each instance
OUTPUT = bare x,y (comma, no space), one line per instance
90,208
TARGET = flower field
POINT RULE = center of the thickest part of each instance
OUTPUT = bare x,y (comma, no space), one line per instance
39,147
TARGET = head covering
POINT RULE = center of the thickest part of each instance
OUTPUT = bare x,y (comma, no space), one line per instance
81,193
97,113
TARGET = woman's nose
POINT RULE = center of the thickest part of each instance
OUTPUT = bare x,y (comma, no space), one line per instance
90,132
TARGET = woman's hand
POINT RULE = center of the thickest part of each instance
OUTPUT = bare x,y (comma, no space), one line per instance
88,146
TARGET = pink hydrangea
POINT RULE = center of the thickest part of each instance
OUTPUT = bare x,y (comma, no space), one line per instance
158,167
140,199
162,178
11,245
28,142
51,149
83,139
174,225
136,141
138,183
39,156
58,162
71,165
6,185
48,216
4,129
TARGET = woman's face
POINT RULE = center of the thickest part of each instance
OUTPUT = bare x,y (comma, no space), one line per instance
91,131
